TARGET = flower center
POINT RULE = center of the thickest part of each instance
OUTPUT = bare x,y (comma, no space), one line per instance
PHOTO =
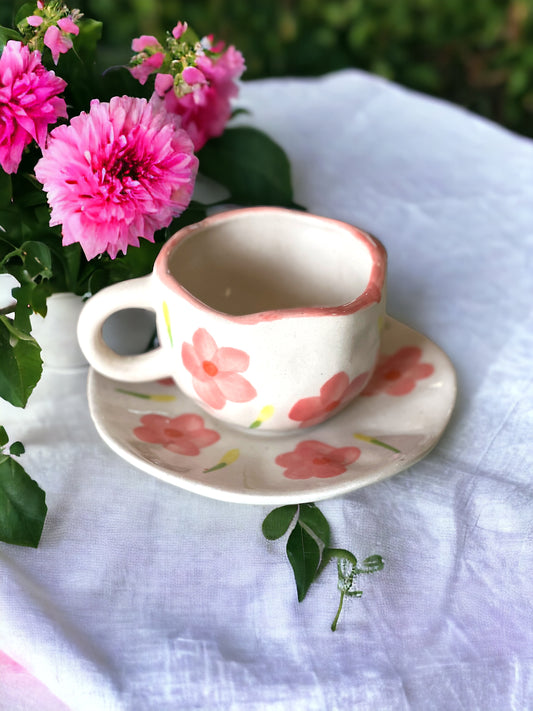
173,434
332,405
320,461
209,368
392,374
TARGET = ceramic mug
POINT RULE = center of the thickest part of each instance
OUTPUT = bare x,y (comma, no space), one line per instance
264,315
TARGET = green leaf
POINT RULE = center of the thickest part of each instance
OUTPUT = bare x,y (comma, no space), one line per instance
20,363
17,448
251,165
87,39
24,11
278,521
22,505
4,439
372,564
7,34
314,519
303,553
37,260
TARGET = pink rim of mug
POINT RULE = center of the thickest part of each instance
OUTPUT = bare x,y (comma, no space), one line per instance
371,295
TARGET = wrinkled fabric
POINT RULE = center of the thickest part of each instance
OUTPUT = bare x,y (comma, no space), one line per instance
144,596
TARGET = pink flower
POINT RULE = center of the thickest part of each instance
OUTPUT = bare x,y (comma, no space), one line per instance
335,393
66,24
185,434
139,44
215,371
29,102
317,459
142,71
34,20
180,28
148,62
120,172
397,374
58,42
206,110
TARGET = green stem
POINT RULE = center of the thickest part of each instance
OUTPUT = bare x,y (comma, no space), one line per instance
334,623
339,553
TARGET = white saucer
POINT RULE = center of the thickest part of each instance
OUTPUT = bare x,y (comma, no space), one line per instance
390,431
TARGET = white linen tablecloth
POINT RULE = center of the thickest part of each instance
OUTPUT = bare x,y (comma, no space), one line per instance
142,596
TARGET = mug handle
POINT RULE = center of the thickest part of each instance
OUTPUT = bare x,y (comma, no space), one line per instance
132,293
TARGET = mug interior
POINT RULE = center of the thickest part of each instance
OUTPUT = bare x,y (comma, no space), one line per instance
256,261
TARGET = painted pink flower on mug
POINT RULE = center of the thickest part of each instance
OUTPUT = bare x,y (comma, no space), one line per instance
312,458
397,374
216,372
185,434
337,391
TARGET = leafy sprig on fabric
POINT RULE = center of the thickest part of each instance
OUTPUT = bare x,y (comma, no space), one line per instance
309,551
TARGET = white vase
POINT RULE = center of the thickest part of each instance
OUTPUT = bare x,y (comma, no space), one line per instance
56,333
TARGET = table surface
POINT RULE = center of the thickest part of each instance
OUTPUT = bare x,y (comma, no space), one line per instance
143,596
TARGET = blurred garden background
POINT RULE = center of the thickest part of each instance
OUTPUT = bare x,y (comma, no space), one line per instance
477,53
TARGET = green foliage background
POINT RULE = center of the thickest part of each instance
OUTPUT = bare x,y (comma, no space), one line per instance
478,53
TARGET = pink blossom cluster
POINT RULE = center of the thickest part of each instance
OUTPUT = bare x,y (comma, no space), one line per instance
194,81
120,172
29,102
126,168
56,26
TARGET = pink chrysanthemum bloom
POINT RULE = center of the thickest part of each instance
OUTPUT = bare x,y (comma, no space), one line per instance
120,172
206,108
29,102
195,80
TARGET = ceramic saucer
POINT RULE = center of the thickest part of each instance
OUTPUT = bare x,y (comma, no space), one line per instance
398,420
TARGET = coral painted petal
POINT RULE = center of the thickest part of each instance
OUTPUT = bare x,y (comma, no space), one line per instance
231,359
327,470
312,458
235,388
306,409
348,455
192,362
204,344
333,390
286,459
421,371
188,422
209,393
404,358
205,437
401,387
299,471
182,445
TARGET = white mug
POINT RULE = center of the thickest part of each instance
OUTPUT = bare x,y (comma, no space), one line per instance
261,312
